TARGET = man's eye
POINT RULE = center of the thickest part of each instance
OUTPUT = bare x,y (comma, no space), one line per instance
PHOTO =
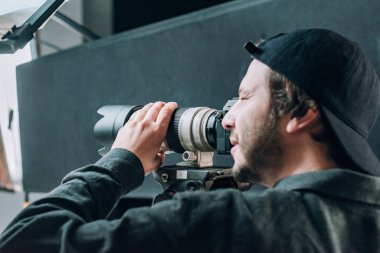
244,98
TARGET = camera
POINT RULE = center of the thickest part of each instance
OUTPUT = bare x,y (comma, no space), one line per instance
196,132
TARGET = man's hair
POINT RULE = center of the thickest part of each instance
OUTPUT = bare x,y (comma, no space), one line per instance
287,97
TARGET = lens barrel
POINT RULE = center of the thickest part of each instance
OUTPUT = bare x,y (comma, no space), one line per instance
190,129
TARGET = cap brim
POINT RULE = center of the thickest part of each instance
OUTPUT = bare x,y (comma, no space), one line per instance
355,145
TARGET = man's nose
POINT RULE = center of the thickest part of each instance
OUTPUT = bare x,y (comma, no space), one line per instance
228,122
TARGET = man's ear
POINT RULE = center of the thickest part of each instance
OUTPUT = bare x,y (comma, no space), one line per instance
310,118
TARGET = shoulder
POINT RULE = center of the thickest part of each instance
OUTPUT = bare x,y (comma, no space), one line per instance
235,199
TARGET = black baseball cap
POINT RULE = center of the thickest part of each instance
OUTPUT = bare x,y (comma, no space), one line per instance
338,76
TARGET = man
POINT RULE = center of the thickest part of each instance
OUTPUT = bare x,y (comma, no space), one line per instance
299,129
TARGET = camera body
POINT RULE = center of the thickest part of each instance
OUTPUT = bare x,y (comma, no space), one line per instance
196,132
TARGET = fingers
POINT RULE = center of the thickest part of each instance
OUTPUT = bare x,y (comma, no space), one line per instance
161,158
153,111
140,114
145,132
159,112
166,113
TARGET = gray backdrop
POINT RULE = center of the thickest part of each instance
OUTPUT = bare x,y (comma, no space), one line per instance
196,59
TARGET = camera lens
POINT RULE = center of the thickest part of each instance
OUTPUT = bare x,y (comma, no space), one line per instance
190,129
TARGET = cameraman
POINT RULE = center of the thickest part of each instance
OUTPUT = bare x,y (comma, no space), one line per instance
299,130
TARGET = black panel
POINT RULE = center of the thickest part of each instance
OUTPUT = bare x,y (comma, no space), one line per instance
128,14
196,59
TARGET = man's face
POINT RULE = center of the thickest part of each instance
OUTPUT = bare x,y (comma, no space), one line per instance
253,126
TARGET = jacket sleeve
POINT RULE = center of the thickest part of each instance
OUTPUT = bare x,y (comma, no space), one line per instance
71,218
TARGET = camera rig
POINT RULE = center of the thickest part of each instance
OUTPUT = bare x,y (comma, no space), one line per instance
190,175
195,132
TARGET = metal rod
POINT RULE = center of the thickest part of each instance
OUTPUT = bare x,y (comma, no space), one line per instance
74,26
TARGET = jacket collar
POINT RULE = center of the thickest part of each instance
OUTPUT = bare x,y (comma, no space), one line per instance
342,183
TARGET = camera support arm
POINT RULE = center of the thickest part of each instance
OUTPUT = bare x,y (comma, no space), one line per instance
17,37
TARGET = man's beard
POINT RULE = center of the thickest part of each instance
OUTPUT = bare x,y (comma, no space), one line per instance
261,149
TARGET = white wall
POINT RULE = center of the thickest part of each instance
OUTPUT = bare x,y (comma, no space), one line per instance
11,203
57,34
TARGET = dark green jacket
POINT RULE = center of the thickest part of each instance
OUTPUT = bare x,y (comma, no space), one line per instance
331,211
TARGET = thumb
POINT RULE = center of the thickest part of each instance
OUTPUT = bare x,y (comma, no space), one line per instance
156,163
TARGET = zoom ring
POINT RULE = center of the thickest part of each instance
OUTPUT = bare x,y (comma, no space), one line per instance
172,137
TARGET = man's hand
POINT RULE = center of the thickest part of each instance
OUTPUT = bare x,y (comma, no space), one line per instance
144,132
